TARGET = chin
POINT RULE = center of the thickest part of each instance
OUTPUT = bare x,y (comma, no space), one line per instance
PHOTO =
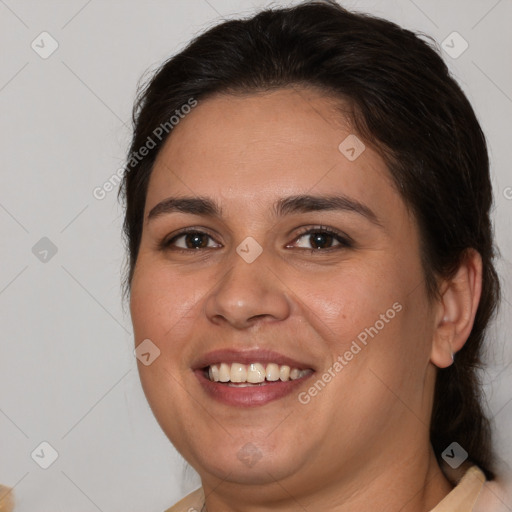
252,463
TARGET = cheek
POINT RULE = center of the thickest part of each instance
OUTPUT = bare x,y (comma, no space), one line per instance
374,317
163,306
161,300
346,303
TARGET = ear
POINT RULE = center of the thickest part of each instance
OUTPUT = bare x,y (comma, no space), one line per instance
456,309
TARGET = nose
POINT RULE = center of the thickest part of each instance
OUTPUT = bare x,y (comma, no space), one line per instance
247,294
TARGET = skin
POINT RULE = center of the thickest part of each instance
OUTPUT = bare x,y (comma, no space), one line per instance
363,441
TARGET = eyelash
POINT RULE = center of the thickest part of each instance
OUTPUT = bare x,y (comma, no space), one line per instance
345,242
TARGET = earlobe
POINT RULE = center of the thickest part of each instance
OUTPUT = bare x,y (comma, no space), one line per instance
456,309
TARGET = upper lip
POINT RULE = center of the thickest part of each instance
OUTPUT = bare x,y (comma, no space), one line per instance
247,357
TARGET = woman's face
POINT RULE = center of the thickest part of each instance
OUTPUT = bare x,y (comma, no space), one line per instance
249,292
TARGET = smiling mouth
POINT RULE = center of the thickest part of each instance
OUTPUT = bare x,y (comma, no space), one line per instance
253,374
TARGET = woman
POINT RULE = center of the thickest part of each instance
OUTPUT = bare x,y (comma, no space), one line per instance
311,266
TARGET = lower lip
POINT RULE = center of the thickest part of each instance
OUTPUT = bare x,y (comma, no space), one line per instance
249,396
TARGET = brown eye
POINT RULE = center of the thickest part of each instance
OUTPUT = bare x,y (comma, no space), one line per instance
195,240
190,240
318,239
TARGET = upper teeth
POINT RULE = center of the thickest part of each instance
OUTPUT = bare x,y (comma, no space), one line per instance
253,373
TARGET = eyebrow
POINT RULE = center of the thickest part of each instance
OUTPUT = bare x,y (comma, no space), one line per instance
284,206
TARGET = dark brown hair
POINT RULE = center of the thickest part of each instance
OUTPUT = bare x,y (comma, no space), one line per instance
404,102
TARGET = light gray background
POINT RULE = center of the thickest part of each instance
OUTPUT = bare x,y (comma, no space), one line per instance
67,371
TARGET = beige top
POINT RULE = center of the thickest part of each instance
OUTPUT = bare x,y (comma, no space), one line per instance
461,499
464,495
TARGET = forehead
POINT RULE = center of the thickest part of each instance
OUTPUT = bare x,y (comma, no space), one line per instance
267,145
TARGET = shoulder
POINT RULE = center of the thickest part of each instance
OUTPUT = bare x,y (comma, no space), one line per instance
464,495
193,502
494,497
